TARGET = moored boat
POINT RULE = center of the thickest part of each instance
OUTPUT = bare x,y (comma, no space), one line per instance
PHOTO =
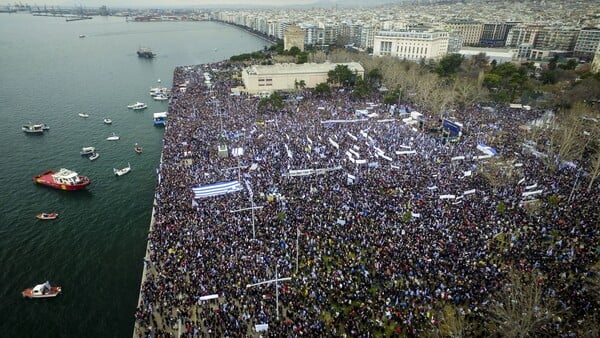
160,119
64,179
42,291
113,137
107,121
137,106
159,90
121,172
45,215
160,97
87,151
137,149
84,115
94,156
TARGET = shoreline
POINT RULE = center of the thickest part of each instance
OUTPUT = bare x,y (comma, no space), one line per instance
147,260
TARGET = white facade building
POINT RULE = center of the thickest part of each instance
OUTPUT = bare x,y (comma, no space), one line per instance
260,79
411,45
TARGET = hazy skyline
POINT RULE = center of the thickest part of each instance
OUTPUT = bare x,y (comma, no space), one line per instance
170,3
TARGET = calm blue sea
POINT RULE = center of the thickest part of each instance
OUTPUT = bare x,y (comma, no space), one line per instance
94,250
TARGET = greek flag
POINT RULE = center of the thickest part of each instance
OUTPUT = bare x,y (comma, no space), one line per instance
216,189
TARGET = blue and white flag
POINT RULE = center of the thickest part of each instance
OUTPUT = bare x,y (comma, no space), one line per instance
216,189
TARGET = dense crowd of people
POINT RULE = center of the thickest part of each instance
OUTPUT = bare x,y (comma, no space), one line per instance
371,222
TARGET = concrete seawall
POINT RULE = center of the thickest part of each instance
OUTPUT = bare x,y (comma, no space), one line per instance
147,262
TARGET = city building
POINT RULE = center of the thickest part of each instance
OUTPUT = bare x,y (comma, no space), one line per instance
536,42
596,63
411,45
500,55
494,34
470,30
455,42
588,43
259,79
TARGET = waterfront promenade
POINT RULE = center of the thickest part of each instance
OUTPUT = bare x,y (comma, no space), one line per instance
371,224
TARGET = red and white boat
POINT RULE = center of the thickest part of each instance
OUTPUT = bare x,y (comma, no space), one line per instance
42,291
44,215
138,149
63,179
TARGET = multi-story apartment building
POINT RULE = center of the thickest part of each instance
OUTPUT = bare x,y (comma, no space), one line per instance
522,34
588,43
470,30
411,45
536,42
328,34
455,42
311,32
282,25
494,34
367,36
349,33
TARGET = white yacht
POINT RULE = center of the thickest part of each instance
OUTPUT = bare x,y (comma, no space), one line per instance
113,137
121,172
137,106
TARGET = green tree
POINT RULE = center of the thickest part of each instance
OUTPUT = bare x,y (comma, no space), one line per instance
374,77
449,65
548,76
361,89
341,75
323,90
294,51
272,103
302,58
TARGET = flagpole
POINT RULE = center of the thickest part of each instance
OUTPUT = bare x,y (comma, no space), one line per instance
297,239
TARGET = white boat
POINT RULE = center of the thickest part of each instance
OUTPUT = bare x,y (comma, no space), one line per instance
121,172
42,291
160,97
114,137
94,156
86,151
107,121
159,90
83,115
34,128
137,106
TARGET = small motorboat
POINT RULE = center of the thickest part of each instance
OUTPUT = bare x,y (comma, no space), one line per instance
107,121
138,149
113,137
121,172
160,97
84,115
45,126
42,291
94,156
87,151
159,90
137,106
82,35
45,215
